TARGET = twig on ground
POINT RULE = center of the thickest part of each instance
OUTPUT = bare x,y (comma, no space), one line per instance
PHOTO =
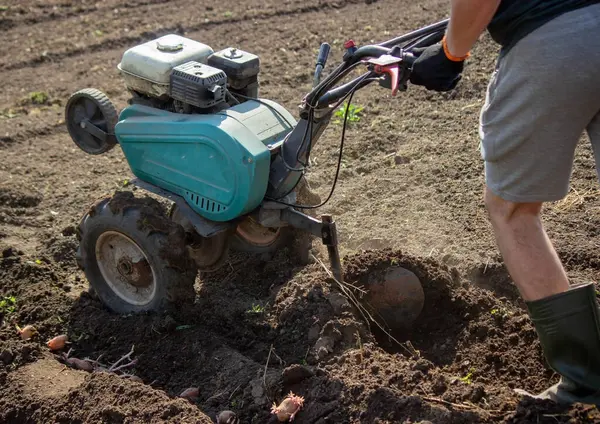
486,265
130,364
281,361
217,395
461,405
266,367
307,352
91,365
235,390
114,366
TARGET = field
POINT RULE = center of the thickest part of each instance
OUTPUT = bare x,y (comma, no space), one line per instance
410,193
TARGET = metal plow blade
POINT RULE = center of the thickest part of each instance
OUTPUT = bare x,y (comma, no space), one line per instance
396,297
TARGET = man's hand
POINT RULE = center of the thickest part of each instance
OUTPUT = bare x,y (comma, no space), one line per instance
434,70
439,67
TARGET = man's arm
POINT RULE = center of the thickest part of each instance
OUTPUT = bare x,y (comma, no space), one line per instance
468,20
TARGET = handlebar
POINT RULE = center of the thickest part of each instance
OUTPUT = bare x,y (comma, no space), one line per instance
322,94
338,93
430,29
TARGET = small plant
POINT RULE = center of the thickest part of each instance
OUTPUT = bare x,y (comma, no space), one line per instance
98,33
3,8
38,97
394,262
353,112
8,305
500,312
468,378
9,113
228,14
256,309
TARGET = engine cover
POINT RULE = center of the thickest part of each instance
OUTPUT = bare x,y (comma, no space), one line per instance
218,162
200,85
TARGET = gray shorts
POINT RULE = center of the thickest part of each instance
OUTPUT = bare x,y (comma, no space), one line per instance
541,98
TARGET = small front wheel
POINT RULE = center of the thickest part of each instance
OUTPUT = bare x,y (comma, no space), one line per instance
134,256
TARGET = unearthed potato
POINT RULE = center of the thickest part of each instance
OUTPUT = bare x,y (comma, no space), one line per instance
288,408
80,364
58,342
191,393
27,332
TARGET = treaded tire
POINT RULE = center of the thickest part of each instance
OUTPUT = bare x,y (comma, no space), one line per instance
162,242
104,115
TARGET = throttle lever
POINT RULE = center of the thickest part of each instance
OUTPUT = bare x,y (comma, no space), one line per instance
388,65
321,61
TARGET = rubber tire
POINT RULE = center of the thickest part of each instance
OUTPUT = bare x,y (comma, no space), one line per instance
108,110
123,213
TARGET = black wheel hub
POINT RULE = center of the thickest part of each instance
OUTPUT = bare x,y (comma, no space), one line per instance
91,118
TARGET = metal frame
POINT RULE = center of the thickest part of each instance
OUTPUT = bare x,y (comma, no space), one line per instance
204,227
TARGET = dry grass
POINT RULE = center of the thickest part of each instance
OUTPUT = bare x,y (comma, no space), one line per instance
574,199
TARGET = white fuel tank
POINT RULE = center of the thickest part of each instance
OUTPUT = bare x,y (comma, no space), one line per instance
147,67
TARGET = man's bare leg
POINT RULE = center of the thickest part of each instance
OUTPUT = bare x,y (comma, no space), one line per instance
526,249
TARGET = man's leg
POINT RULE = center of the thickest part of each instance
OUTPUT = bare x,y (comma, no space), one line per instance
526,249
538,105
566,318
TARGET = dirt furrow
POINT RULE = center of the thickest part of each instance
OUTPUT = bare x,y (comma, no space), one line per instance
24,15
108,34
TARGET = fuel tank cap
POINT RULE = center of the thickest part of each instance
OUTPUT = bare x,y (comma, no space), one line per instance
169,44
233,53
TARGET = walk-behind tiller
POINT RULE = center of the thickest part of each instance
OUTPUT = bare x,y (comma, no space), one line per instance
230,163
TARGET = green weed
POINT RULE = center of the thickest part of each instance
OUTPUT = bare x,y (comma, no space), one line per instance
8,305
353,112
38,97
500,312
228,14
468,378
256,309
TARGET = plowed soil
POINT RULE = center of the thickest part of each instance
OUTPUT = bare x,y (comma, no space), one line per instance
409,195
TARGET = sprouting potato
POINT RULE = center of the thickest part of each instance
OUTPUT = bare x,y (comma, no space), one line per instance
288,408
27,332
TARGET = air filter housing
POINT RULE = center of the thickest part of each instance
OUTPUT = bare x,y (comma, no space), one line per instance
199,85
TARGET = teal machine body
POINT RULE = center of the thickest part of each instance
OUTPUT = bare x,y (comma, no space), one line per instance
219,163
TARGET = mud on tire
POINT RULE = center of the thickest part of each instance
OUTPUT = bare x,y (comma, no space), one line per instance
134,257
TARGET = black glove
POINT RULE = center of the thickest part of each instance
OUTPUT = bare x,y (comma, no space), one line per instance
434,70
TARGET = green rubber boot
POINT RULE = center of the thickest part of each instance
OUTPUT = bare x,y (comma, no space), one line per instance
568,327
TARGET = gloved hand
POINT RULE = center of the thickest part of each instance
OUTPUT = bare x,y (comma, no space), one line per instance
434,70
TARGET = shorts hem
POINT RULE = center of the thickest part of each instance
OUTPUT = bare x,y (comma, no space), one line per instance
519,198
